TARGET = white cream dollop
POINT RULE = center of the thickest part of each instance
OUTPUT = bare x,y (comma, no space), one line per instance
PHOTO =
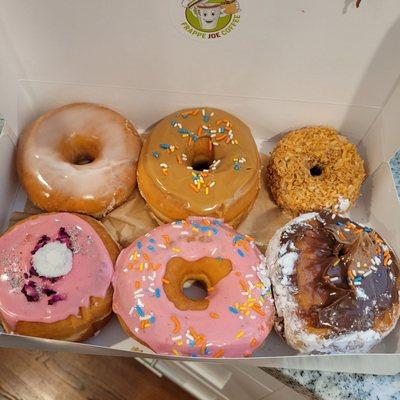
53,260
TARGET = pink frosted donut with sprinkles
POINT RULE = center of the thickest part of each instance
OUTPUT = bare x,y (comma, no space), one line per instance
231,319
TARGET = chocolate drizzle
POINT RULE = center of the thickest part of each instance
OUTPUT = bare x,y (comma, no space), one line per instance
345,275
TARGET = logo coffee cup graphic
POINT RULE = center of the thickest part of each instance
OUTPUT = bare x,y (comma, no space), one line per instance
208,15
210,19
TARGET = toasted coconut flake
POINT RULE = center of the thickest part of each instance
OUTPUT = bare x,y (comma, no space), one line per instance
315,168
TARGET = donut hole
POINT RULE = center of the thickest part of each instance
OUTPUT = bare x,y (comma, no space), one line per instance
342,251
195,289
83,159
202,155
201,165
316,170
188,283
79,149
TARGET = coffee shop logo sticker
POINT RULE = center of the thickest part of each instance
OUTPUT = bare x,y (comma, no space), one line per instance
210,19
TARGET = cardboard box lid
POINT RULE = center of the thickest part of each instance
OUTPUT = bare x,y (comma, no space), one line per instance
325,51
284,64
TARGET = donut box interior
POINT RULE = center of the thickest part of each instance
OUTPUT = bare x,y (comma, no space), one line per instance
283,65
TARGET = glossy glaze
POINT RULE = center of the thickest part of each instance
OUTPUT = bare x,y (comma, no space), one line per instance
79,158
224,187
90,274
335,284
348,268
240,311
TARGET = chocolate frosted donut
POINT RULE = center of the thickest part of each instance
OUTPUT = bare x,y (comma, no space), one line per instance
335,283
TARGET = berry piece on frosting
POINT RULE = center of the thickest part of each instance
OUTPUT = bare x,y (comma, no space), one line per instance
56,297
42,241
30,291
48,292
52,260
32,272
63,237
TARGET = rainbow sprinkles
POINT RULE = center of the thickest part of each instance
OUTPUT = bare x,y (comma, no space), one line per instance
240,311
221,133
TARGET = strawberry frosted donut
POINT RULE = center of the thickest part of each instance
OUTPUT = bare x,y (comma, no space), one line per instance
81,158
55,277
234,316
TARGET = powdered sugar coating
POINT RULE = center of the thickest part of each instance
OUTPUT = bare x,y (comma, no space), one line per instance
343,204
281,265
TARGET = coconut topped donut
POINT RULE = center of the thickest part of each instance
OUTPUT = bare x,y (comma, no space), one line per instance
81,158
315,168
335,284
200,162
231,319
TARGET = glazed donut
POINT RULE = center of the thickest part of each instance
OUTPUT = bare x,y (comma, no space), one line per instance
335,284
200,162
79,158
234,317
55,277
313,169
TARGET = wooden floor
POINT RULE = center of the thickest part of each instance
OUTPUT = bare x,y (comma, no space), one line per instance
34,375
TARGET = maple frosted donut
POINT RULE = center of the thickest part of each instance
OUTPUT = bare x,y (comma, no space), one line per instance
79,158
335,284
233,319
200,162
55,277
313,169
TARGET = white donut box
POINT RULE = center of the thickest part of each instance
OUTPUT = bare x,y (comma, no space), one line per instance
283,64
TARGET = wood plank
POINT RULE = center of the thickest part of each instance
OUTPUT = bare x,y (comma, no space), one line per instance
36,375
